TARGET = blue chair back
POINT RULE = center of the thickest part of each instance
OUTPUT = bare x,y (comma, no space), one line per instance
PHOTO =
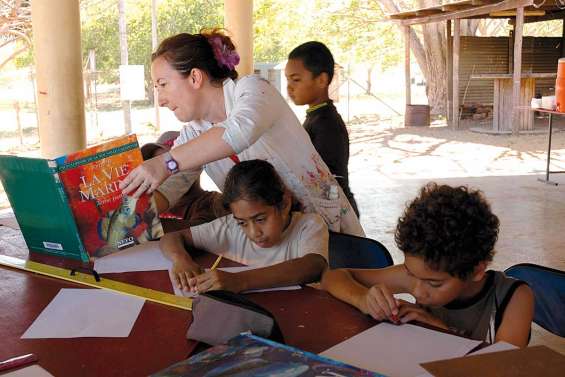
548,285
346,251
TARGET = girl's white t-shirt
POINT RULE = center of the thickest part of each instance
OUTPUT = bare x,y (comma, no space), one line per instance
261,125
306,234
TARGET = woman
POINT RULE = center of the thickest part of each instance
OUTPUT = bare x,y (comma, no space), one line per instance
229,121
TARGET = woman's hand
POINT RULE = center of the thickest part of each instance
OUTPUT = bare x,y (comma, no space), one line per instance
183,270
414,312
380,304
146,177
215,280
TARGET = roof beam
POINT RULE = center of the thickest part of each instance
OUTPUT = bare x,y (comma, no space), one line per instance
467,13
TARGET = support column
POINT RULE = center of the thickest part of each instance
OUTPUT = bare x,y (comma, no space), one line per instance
455,76
238,20
449,65
407,75
517,73
58,65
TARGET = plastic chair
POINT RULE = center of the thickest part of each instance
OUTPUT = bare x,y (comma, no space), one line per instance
548,285
346,251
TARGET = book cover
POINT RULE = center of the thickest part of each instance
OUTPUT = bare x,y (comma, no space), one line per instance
41,207
72,206
250,355
107,220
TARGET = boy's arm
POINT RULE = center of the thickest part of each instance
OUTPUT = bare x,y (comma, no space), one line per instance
517,319
371,291
301,270
173,248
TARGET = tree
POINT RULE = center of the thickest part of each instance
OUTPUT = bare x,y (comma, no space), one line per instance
15,27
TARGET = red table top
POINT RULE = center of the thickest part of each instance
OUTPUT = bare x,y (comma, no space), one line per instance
309,319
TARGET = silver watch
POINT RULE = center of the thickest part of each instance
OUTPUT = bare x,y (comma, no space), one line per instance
171,164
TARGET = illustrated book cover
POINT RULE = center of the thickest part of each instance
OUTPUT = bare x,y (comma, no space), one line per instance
250,355
72,206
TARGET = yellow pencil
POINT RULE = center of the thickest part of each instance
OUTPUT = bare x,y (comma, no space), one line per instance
216,263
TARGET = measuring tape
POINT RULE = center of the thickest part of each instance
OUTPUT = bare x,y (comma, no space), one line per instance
87,279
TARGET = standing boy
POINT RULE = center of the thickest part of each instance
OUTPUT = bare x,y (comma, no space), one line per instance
447,235
309,71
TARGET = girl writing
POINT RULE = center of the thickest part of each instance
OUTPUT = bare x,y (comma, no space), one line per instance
287,247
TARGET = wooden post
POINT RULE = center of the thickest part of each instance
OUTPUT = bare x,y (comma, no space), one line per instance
449,65
238,20
126,105
407,78
563,39
154,45
58,64
455,74
517,73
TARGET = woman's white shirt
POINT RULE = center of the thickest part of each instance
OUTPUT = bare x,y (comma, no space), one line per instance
261,125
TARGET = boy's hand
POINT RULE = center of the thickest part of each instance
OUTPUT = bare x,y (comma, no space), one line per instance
380,304
414,312
182,271
215,280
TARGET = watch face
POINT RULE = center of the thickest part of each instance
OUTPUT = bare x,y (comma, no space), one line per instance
172,165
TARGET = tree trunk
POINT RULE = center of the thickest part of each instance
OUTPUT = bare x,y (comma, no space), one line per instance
431,54
369,81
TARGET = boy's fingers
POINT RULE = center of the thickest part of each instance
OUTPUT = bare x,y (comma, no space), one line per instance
391,301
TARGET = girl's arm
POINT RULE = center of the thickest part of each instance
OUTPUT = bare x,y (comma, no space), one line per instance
301,270
173,248
517,319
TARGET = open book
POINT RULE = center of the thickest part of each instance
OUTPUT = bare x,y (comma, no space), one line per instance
72,206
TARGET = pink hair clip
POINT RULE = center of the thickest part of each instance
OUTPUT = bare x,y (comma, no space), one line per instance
225,57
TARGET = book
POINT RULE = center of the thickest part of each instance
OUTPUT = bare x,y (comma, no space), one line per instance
250,355
72,206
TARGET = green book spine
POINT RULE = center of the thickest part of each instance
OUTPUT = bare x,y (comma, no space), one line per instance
41,206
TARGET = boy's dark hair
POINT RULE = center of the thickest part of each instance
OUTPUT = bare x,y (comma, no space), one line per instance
254,180
452,228
316,58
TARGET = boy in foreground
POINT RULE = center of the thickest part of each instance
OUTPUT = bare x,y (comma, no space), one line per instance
447,235
309,72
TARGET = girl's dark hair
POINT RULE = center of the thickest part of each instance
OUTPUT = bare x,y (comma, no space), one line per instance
451,228
187,51
254,180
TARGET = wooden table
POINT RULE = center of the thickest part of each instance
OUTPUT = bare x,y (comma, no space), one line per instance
309,319
549,133
502,100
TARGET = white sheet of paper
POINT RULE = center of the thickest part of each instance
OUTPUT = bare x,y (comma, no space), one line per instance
144,257
496,347
179,292
398,350
31,371
76,313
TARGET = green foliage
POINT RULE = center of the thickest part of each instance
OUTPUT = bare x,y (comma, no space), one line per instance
352,29
100,31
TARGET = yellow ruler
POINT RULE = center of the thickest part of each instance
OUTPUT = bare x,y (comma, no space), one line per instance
88,279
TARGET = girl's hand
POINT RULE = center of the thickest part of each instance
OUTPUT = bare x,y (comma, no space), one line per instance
215,280
380,304
183,271
146,177
414,312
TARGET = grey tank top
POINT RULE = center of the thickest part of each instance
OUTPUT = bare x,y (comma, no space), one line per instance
479,318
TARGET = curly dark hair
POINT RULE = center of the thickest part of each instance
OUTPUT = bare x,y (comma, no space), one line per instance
452,228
